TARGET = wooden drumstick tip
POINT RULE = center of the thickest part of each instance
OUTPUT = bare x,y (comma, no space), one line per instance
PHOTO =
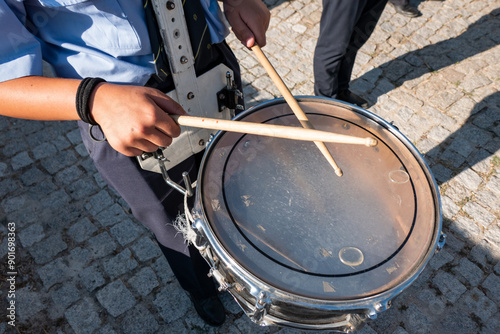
370,142
338,171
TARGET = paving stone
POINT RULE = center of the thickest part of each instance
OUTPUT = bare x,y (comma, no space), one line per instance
125,232
440,259
107,329
3,169
470,271
74,136
33,176
485,253
64,159
492,286
493,234
171,302
416,321
92,278
83,317
101,245
46,188
44,150
99,202
111,215
449,208
79,258
491,327
81,230
452,159
31,235
65,295
47,249
56,200
457,322
432,303
120,264
145,249
162,269
480,214
144,281
21,160
400,330
53,272
479,304
466,228
449,286
139,320
28,303
116,298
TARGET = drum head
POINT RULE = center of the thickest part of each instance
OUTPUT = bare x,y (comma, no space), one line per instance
278,209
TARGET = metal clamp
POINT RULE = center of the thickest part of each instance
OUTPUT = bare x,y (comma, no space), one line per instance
228,96
188,191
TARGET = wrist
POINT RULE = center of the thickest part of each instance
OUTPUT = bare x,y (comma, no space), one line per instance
84,98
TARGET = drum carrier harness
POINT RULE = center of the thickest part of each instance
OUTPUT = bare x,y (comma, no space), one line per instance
217,99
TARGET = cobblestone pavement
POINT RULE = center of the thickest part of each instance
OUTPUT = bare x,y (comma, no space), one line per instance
86,266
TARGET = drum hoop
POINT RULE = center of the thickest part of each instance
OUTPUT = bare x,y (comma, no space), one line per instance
365,302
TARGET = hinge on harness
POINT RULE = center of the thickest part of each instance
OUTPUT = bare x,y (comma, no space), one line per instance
228,96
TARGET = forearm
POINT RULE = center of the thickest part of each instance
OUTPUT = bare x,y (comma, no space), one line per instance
39,98
134,119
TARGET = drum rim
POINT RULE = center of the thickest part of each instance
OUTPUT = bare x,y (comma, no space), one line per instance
367,302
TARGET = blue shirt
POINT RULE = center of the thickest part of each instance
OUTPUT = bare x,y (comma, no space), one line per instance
83,38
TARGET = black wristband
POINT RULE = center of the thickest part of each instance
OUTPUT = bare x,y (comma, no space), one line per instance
83,93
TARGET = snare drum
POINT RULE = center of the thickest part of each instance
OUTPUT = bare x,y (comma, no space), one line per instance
297,245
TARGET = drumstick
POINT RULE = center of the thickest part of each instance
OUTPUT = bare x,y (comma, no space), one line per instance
293,104
271,130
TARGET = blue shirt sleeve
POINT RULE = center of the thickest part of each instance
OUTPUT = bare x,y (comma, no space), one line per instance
20,51
217,24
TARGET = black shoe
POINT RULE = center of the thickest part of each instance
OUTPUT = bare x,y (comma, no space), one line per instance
210,310
350,97
407,10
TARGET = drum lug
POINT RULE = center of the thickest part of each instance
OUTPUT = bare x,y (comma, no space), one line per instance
262,305
441,242
224,285
378,308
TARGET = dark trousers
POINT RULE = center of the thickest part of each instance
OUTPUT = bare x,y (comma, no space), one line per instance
400,2
154,203
344,27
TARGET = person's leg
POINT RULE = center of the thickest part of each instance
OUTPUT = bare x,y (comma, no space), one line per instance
403,7
337,23
151,200
399,2
366,22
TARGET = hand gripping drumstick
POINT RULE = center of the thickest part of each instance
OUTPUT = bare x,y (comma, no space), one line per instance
293,104
270,130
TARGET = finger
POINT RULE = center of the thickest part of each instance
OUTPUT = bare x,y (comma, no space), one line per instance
258,30
159,139
244,34
144,145
167,126
166,104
